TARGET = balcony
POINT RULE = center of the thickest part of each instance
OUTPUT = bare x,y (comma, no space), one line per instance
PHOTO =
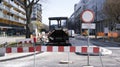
22,9
12,3
8,1
14,12
11,18
21,15
22,21
1,15
15,5
4,7
17,13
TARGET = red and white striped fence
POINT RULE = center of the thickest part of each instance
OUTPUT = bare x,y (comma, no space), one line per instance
25,41
81,49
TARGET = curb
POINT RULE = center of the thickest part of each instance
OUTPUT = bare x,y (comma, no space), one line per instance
98,44
18,57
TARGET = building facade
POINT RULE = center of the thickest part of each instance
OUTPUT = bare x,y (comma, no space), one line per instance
36,18
94,5
12,18
37,12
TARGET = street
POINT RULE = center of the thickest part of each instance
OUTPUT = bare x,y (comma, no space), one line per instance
52,59
59,33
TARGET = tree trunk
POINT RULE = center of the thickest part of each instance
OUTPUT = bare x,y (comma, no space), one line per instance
28,4
28,17
28,33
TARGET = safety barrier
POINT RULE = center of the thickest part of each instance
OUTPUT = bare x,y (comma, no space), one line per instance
25,41
81,49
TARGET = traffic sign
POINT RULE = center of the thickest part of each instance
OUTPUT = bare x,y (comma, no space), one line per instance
87,16
88,26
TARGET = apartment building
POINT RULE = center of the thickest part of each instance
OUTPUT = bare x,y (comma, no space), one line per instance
12,18
36,18
37,13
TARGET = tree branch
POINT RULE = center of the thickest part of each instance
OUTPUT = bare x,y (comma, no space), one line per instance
36,1
29,1
25,3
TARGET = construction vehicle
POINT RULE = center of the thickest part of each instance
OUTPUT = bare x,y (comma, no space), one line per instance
58,36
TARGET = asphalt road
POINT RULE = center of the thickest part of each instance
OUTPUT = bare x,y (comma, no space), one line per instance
80,42
52,59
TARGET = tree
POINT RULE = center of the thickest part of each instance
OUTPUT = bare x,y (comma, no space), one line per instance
28,5
112,10
0,1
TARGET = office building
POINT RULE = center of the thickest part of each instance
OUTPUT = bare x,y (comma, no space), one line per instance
94,5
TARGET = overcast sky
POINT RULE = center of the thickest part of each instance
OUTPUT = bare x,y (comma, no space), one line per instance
56,8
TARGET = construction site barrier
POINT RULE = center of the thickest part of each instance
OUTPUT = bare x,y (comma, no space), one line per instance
81,49
25,41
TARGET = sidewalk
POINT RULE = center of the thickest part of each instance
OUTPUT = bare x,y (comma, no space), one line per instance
105,43
10,39
12,56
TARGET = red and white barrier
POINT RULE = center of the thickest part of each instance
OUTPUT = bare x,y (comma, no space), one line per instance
81,49
26,41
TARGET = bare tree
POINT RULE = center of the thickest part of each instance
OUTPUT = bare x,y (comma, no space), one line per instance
112,10
28,5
